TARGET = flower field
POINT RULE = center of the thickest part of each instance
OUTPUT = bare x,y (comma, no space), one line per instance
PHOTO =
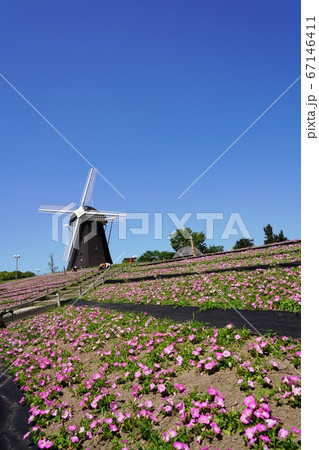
97,380
275,255
274,288
16,292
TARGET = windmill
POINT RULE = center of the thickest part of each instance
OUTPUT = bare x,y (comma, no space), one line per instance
88,246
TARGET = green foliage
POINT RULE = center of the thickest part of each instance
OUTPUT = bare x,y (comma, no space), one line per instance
280,237
155,255
215,249
243,243
6,276
269,235
182,238
271,238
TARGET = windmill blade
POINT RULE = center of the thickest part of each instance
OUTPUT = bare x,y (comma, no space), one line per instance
74,239
103,218
65,253
105,215
88,188
115,217
67,245
55,209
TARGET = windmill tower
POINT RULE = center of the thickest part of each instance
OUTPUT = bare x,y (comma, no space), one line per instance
88,246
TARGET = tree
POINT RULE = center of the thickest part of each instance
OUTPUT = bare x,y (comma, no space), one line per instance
148,256
243,243
269,235
271,238
166,255
280,237
155,255
182,238
215,249
51,265
4,276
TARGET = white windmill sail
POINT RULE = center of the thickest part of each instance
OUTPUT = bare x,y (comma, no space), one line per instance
56,209
66,252
88,188
74,238
67,242
105,215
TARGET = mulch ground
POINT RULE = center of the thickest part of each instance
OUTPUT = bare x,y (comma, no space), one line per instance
283,323
13,416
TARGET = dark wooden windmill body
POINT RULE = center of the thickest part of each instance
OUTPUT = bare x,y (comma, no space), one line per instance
91,248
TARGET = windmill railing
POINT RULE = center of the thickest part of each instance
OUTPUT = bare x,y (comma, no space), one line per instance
102,280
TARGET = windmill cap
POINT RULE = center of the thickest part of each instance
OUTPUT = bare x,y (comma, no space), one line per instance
86,208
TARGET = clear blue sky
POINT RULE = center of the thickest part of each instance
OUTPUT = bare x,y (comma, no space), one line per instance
151,92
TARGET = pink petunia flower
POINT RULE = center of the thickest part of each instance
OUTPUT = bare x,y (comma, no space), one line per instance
210,365
194,412
219,401
179,360
172,433
250,432
267,380
41,443
246,415
180,446
120,417
148,404
93,424
271,422
203,419
212,391
215,427
250,402
283,433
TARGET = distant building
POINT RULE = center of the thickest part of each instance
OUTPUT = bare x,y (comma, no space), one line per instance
131,259
186,252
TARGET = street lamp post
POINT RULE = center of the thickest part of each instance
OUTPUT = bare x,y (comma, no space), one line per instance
17,259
